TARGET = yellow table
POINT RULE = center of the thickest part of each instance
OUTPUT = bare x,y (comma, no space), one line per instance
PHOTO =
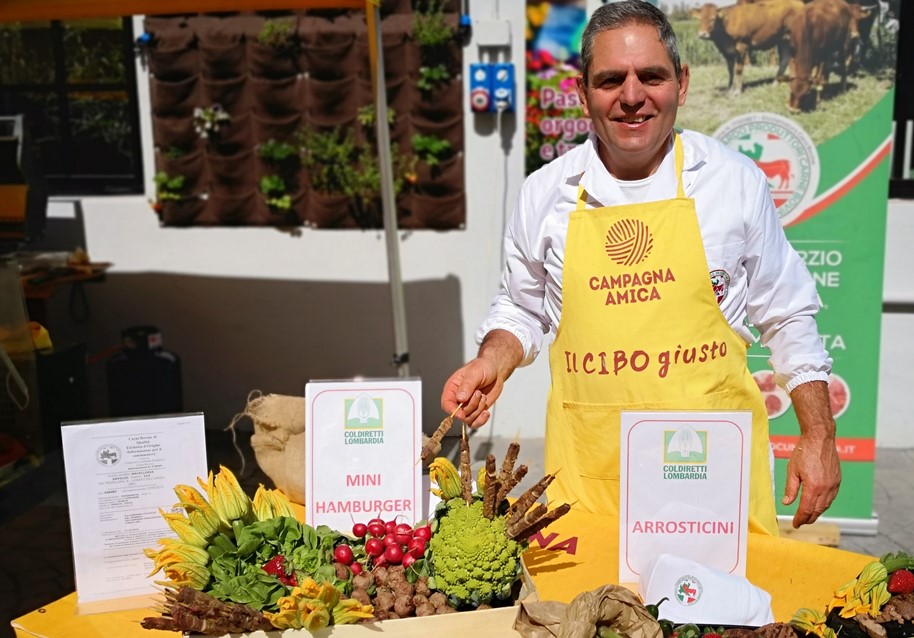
581,553
796,574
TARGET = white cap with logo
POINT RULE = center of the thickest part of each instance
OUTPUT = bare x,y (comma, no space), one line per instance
702,595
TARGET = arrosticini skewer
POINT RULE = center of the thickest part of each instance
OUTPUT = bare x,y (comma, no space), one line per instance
433,445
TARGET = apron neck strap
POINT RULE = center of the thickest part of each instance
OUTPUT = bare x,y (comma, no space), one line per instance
679,160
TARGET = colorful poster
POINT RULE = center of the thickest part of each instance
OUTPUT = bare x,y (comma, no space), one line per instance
823,142
555,122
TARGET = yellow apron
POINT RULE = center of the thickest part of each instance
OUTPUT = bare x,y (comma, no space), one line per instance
636,285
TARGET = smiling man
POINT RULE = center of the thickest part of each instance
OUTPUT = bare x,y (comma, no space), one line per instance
644,253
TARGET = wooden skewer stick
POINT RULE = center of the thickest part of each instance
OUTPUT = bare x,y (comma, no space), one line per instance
433,445
492,488
466,470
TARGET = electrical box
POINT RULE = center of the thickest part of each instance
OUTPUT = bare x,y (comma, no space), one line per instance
503,90
481,88
492,88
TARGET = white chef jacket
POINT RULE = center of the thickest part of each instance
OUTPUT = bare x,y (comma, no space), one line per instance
769,285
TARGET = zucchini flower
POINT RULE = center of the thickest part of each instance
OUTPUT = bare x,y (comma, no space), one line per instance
173,552
199,511
300,610
227,497
349,611
442,473
184,528
813,622
864,594
270,504
185,575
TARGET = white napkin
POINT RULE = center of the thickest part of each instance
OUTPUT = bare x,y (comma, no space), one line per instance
701,595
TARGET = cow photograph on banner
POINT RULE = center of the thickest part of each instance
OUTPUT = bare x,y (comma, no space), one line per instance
805,90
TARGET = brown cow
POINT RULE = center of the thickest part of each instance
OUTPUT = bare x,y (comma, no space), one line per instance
736,29
865,13
821,35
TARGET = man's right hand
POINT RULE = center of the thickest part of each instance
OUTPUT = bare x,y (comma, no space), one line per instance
476,386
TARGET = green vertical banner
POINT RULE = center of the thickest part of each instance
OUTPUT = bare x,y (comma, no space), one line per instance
824,150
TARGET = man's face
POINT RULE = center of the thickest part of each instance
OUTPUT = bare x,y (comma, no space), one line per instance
632,96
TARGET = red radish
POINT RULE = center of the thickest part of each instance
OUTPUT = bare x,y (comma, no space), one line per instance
356,568
390,526
343,554
403,528
379,561
391,539
359,530
374,547
376,529
393,554
416,547
424,532
408,560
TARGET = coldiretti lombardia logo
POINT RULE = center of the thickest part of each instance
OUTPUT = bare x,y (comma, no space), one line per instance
364,423
629,242
364,413
685,445
688,590
685,454
783,151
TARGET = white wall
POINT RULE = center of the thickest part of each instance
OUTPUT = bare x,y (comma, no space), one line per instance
257,308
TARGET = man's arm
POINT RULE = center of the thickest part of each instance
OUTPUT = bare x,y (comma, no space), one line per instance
814,462
477,385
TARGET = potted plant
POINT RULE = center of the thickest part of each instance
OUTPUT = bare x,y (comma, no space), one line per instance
208,120
431,28
282,158
167,186
431,149
278,34
346,176
432,76
273,52
273,188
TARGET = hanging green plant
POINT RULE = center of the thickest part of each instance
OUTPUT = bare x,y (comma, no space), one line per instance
367,114
278,33
327,155
167,186
208,120
273,188
277,152
431,76
430,27
430,149
174,152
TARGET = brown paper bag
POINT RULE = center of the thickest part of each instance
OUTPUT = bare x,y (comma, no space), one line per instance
612,605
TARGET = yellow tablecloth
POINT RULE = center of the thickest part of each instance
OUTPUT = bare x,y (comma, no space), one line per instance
60,620
796,574
581,553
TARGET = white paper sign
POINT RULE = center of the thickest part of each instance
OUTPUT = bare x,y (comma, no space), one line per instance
364,440
684,489
118,474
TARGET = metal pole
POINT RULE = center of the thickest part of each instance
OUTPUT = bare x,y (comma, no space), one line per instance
388,197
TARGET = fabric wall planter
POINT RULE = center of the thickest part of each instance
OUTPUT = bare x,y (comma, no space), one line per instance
271,77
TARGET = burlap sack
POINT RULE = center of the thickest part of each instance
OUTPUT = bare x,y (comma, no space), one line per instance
279,440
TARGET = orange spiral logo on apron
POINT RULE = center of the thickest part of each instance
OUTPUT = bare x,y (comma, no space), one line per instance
629,242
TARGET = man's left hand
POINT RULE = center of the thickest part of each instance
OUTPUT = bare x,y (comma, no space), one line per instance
814,463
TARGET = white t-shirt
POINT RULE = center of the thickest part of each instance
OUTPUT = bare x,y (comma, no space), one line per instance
769,285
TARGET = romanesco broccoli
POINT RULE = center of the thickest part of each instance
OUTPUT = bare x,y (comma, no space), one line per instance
473,560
